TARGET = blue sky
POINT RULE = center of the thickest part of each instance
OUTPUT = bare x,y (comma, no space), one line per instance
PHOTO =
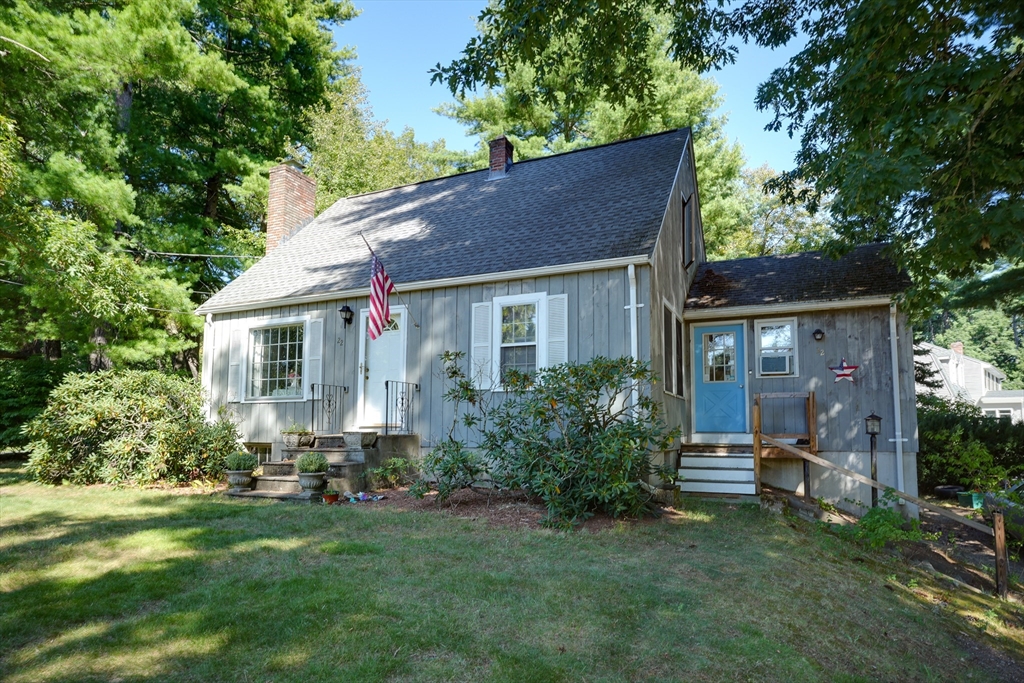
397,41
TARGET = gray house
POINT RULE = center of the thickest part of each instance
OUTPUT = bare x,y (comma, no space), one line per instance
597,252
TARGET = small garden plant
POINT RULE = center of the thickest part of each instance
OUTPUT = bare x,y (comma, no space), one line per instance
311,463
883,524
239,461
392,473
295,428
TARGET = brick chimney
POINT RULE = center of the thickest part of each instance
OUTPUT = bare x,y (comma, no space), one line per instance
957,347
501,158
292,202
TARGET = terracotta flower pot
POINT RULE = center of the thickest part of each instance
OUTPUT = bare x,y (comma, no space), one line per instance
331,498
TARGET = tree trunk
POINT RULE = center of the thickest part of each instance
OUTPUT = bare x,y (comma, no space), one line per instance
98,360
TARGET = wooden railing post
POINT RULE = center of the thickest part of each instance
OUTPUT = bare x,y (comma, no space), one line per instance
757,444
812,423
1002,568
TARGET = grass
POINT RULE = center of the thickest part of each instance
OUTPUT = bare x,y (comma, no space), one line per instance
105,584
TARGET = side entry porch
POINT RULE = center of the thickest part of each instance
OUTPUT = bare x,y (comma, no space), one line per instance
734,469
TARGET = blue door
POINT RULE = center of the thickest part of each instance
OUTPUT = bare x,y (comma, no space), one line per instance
720,403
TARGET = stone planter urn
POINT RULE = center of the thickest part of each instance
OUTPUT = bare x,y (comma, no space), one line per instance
359,439
312,482
299,439
239,480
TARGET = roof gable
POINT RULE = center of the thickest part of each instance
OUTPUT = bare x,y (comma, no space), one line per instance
593,204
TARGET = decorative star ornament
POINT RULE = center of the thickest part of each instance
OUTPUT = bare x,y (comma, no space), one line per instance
844,370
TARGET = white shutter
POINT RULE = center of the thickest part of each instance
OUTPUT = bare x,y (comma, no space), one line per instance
558,329
314,359
480,369
235,355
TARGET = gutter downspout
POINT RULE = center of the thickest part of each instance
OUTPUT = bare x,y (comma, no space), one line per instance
896,398
634,343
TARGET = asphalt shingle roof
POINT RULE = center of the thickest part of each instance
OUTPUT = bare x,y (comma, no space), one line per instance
588,205
795,278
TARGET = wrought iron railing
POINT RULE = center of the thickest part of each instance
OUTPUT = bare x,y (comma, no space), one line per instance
399,404
328,402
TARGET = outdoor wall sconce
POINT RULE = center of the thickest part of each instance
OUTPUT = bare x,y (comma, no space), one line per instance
818,334
346,314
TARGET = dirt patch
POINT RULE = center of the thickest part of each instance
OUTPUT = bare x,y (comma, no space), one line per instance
499,509
964,553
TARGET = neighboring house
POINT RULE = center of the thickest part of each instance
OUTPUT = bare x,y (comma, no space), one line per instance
963,378
595,252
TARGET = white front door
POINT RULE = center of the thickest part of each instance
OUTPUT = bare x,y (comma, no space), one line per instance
381,359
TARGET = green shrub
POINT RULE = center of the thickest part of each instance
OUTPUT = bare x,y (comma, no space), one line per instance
883,524
958,445
127,428
310,463
392,472
240,460
24,388
571,437
567,435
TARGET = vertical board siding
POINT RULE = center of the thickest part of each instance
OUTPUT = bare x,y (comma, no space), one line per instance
598,324
862,337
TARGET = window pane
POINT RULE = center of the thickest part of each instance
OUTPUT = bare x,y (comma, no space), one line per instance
522,358
668,351
679,357
519,324
720,357
276,361
776,336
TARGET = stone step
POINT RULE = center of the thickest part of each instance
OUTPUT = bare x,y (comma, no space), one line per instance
277,484
332,454
732,487
276,495
694,474
282,468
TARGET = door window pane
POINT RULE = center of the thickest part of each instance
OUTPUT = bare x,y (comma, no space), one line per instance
720,357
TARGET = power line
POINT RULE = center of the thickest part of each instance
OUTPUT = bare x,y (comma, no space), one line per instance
12,282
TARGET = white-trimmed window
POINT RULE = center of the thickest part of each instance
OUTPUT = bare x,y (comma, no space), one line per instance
527,332
1004,413
672,339
276,367
275,360
776,347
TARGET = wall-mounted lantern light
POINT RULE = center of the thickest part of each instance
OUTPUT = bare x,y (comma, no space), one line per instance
347,314
819,334
873,424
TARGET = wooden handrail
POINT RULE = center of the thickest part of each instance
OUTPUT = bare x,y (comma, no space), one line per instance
878,485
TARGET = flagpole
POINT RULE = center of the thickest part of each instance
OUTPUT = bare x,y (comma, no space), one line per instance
397,293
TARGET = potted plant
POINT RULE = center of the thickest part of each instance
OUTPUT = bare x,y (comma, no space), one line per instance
312,467
331,496
239,466
297,436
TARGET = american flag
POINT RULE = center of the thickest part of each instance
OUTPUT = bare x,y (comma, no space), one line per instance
380,287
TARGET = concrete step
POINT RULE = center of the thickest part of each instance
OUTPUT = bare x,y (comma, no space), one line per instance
281,468
714,461
276,495
277,484
730,487
695,474
332,454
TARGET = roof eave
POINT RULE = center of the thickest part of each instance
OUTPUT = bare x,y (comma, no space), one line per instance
354,293
783,308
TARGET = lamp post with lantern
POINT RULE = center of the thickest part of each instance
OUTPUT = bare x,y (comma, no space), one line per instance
873,426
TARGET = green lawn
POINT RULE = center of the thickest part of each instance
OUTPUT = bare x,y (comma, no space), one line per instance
103,584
